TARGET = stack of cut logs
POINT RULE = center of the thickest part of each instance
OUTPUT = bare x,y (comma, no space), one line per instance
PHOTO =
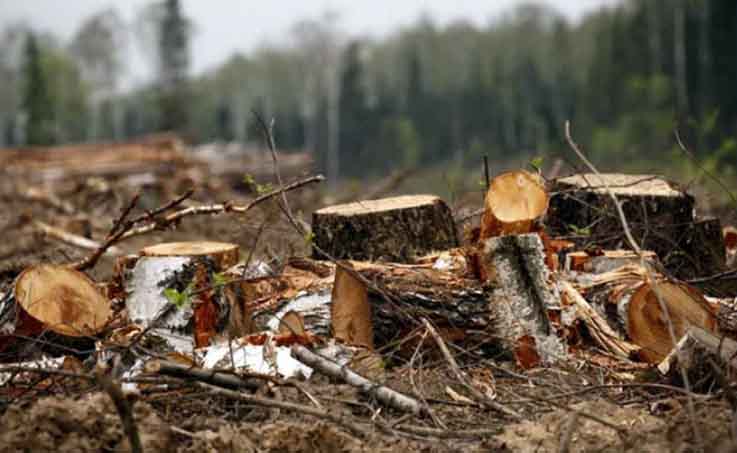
380,268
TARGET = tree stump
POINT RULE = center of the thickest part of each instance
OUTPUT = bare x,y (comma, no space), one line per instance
179,286
581,208
397,229
515,202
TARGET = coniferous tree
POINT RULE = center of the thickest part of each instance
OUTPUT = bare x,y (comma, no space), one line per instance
353,110
173,67
36,99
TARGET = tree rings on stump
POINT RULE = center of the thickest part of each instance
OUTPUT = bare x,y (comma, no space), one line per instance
514,202
647,325
397,229
63,300
223,254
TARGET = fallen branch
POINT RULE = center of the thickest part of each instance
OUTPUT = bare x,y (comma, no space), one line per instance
73,239
384,394
225,380
215,209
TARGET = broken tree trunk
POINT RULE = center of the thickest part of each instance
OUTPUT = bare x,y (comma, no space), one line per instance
526,295
598,329
450,300
515,202
397,229
632,306
179,287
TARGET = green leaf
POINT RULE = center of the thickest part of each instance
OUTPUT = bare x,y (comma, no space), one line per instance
248,180
309,237
537,162
585,232
179,298
219,279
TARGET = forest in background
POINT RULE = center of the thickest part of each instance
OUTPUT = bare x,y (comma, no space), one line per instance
627,77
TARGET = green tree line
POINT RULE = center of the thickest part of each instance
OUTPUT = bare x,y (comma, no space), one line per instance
626,76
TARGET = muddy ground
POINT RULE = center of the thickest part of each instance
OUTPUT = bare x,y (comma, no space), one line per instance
609,407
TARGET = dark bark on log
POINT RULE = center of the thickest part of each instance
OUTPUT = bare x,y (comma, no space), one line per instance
659,214
396,229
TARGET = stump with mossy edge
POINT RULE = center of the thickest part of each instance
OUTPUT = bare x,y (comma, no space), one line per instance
397,229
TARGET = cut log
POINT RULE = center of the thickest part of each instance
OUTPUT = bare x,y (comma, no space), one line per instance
452,301
647,323
62,300
526,295
448,300
178,286
397,229
350,310
61,305
514,203
631,306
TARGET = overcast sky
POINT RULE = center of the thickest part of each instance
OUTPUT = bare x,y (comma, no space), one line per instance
227,26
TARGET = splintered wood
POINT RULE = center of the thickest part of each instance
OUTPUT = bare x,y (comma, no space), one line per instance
632,307
514,203
350,310
395,229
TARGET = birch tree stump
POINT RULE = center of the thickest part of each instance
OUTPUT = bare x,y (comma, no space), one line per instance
176,286
397,229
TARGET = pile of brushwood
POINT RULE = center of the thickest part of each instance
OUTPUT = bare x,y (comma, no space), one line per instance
593,312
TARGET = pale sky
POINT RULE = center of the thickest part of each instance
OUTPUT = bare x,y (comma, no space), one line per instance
226,26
